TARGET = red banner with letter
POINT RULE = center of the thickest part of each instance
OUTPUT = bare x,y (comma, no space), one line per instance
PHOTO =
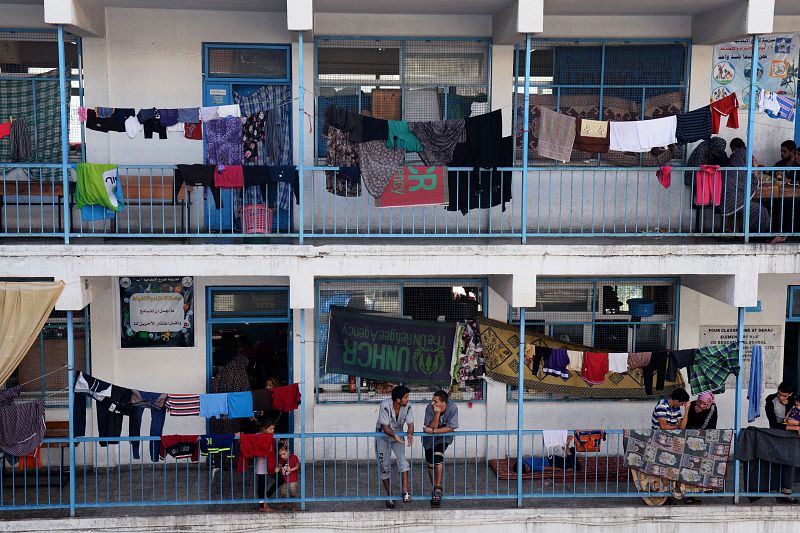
415,186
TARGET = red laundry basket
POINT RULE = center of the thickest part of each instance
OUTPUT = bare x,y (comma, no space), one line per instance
257,218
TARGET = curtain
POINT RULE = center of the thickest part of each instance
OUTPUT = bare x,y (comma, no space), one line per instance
24,309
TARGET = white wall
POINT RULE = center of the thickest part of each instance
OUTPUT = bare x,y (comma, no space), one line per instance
23,16
153,58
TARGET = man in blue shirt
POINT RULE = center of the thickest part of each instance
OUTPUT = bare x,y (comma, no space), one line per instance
668,413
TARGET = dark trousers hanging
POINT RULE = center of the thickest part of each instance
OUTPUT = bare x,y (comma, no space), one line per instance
657,365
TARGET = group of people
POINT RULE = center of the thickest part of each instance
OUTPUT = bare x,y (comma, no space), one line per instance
782,409
713,152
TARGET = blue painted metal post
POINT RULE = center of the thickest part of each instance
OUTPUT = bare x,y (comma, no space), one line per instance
62,90
751,110
303,409
71,400
300,133
520,392
525,124
738,403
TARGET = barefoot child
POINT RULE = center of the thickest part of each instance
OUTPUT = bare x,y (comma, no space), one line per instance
262,475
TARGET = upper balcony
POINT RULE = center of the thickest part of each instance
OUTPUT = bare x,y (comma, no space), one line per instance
476,63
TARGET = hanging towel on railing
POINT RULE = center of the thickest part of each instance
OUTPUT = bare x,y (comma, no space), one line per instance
97,185
656,132
755,387
555,442
556,135
591,136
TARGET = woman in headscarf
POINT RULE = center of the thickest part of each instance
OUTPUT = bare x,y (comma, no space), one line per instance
702,412
710,152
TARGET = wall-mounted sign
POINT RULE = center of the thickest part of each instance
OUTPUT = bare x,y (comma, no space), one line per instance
769,337
157,312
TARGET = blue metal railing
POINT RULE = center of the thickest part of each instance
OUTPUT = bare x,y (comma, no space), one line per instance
559,202
344,467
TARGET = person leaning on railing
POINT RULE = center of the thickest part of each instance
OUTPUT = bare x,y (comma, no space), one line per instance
441,417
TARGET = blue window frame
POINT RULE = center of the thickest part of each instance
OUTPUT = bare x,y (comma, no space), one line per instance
793,304
594,312
399,297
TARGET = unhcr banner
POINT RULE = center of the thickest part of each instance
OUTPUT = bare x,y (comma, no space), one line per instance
390,348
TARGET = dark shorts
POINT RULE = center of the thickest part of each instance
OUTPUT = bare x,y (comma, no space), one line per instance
435,455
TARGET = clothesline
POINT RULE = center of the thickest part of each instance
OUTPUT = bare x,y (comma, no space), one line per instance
42,376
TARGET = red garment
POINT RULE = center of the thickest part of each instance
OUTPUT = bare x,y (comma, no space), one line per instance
179,446
231,177
5,129
292,462
286,398
663,175
708,185
258,445
193,131
595,367
726,106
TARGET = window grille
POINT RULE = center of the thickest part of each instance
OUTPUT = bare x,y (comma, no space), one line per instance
29,89
628,80
401,79
793,304
419,300
594,312
40,373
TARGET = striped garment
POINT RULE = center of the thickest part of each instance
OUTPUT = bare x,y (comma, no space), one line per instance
694,125
22,427
667,412
183,404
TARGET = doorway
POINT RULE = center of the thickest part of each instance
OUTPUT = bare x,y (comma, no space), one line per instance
255,321
791,345
257,77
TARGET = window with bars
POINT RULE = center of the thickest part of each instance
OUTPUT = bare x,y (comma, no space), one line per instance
43,371
29,89
595,313
605,80
401,79
455,300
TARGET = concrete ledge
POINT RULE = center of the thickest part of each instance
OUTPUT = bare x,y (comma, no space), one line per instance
628,519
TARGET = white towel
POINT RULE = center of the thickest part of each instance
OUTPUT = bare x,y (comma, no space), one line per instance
575,360
657,132
618,362
555,442
624,137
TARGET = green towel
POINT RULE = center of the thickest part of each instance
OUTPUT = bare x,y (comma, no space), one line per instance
401,138
97,184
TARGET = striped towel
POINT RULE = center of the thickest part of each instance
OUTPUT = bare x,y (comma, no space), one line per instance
556,135
183,404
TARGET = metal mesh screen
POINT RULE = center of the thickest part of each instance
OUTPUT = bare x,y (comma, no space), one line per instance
610,80
42,373
248,303
595,313
401,79
29,89
456,300
244,62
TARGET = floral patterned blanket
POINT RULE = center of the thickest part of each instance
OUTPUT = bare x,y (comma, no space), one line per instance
692,456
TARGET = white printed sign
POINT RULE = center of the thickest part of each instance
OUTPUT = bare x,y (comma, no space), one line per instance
769,337
156,312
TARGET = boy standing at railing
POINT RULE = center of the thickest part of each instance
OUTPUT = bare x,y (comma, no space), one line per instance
393,415
288,466
441,417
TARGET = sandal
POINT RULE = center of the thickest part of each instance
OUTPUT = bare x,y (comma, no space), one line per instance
436,496
406,497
